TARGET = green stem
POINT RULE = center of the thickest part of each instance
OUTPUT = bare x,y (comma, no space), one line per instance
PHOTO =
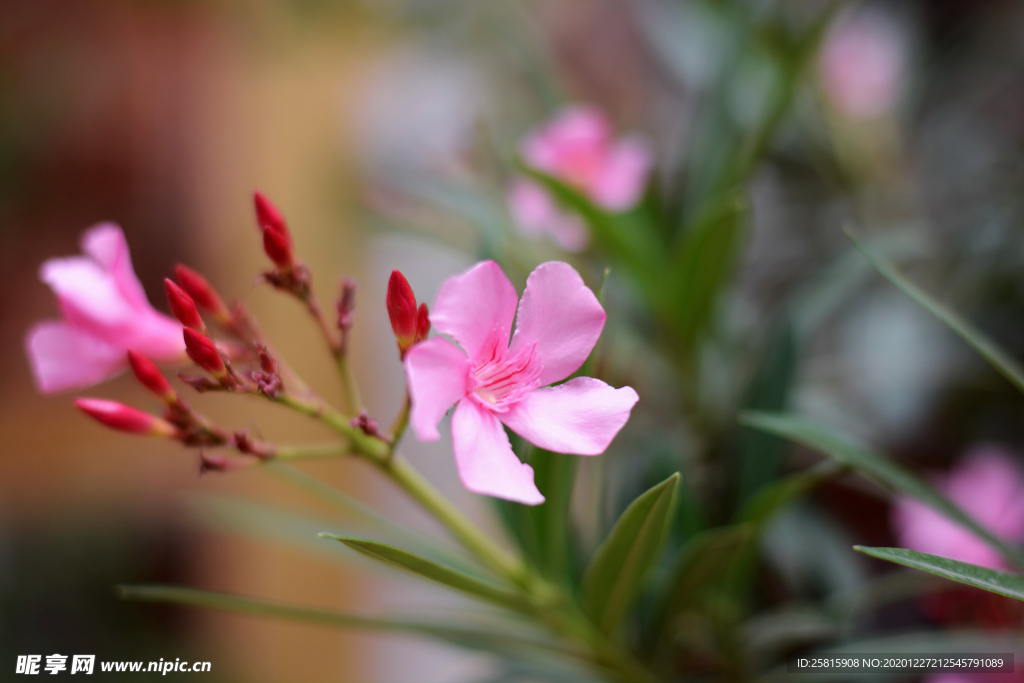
401,422
310,451
373,448
348,384
469,534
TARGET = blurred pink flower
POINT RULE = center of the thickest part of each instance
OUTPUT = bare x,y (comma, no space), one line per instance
494,382
862,63
578,148
988,484
105,314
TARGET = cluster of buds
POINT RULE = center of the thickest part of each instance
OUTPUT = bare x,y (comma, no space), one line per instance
409,323
190,296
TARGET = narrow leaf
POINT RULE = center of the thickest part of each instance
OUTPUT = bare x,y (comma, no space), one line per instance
471,636
624,558
772,498
701,266
237,516
549,523
1009,585
846,451
759,455
1008,366
706,557
433,571
628,237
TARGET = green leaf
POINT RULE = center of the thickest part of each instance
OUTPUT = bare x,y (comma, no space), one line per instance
547,540
630,550
701,265
707,557
760,454
1008,366
772,498
1009,585
628,237
433,571
846,451
471,636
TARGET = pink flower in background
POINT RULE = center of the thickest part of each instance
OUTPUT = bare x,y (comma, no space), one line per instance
861,64
988,484
105,314
578,148
495,382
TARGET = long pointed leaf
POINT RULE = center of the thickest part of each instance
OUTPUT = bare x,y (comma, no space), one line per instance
631,549
759,455
1008,366
470,636
701,265
238,516
433,571
1009,585
851,453
775,496
630,238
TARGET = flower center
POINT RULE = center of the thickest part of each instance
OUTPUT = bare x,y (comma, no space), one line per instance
499,379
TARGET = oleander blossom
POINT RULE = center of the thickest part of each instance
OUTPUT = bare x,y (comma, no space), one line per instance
862,64
493,382
988,484
578,148
106,313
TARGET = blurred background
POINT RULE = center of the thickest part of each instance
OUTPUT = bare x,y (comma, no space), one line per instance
385,131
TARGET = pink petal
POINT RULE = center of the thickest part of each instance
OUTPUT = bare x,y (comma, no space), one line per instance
105,243
536,214
621,182
155,335
580,417
577,132
531,207
438,374
989,485
474,307
484,457
87,293
918,527
64,357
561,316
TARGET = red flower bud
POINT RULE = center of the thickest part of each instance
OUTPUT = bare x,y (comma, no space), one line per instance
422,323
150,376
124,418
183,307
201,291
204,353
277,241
401,304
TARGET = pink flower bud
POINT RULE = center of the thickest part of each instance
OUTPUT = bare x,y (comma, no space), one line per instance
204,353
201,291
346,304
183,307
150,376
124,418
401,304
277,241
422,323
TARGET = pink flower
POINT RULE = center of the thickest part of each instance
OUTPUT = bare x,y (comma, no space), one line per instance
577,147
988,485
862,63
559,321
105,314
